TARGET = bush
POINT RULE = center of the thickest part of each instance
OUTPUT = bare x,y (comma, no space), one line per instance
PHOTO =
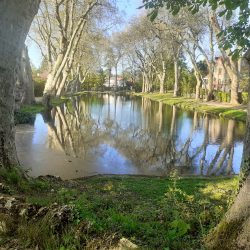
39,85
244,97
21,117
222,96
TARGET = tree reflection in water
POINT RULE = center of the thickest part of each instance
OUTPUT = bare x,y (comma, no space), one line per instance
149,134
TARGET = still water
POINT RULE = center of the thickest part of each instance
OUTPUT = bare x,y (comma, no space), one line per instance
122,134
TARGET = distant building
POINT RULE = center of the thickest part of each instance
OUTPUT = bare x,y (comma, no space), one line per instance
120,82
221,79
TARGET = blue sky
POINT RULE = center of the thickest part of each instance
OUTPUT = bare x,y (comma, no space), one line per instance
129,7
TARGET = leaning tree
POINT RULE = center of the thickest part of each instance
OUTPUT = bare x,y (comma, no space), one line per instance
15,20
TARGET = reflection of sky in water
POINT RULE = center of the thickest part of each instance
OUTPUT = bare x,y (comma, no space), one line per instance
131,113
238,149
41,131
110,158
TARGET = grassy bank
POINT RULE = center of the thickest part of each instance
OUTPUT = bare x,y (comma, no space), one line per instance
237,113
152,212
27,113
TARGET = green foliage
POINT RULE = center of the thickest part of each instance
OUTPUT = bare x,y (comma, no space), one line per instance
94,81
236,36
202,65
39,85
192,104
152,212
244,97
222,96
187,83
178,229
23,117
26,114
15,178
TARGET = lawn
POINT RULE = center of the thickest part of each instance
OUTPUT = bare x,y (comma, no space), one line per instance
236,113
152,212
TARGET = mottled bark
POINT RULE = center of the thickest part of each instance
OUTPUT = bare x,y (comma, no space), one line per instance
162,76
198,83
15,20
210,82
24,89
176,79
56,79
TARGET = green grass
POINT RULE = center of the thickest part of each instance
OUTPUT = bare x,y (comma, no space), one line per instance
152,212
27,113
32,109
55,101
192,104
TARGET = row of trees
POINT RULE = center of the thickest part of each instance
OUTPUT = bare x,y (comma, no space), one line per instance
151,53
73,40
69,35
159,48
15,19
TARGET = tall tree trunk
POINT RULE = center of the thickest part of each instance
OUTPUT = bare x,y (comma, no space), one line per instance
234,88
176,79
198,85
162,80
210,82
15,20
109,76
116,77
162,76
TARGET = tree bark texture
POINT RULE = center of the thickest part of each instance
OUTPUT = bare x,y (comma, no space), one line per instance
24,88
15,20
176,79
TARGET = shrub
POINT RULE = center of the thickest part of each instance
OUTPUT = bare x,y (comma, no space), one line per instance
39,85
222,96
244,97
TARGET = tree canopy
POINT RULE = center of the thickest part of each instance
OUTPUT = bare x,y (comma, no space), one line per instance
237,34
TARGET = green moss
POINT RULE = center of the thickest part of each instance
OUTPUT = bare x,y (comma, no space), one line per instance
224,235
192,104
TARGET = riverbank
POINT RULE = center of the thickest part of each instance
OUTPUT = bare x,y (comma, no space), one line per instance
224,110
27,113
151,212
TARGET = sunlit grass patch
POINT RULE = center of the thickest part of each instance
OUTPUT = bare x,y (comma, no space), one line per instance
192,104
152,212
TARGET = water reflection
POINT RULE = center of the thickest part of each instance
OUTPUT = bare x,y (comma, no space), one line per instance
115,134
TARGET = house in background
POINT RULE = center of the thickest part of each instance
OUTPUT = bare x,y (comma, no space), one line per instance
221,79
120,82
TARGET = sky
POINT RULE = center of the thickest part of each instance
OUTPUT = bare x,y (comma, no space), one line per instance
128,7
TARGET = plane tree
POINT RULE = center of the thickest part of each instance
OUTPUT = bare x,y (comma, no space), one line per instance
15,19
